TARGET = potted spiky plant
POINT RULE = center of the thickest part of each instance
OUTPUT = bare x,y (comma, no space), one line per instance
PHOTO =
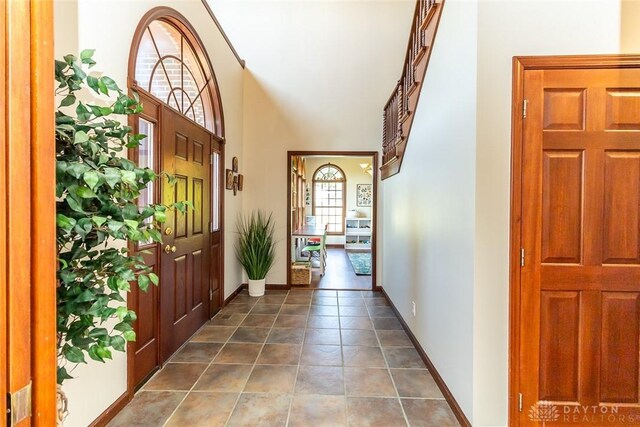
256,248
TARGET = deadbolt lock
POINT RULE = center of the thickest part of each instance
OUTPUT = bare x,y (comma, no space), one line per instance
168,231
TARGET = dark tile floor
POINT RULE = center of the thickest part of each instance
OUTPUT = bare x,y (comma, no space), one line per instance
339,273
294,358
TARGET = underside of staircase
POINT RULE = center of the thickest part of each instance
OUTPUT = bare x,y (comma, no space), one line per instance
400,108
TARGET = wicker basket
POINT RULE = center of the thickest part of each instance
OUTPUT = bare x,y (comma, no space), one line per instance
301,274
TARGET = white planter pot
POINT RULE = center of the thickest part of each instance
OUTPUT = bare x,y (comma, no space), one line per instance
256,287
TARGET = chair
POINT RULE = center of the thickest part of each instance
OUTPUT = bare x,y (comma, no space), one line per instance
318,252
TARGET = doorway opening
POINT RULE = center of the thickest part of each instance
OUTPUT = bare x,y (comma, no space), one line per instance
331,228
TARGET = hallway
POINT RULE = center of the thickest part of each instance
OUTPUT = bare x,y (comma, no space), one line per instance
339,274
294,358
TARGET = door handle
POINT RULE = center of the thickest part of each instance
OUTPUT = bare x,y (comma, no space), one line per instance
169,248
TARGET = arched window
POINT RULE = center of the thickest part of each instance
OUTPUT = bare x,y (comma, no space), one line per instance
170,64
329,197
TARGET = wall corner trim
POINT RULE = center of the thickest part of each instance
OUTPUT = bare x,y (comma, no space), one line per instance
241,61
455,407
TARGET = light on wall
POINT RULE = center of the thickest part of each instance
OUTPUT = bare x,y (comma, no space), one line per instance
367,168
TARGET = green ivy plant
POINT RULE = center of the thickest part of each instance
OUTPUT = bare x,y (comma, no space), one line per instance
96,189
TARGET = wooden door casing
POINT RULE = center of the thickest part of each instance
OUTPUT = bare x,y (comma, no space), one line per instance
185,277
578,294
27,221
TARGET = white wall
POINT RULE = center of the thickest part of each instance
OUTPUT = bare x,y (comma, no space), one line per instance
459,220
108,27
318,74
354,175
630,32
533,28
429,207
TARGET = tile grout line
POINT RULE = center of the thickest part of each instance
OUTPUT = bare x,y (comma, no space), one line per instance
235,405
344,377
406,419
208,366
295,381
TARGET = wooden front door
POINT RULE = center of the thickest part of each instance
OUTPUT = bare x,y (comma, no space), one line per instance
579,323
185,263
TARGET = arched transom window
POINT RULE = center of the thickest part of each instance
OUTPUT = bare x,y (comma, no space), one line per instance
329,197
171,65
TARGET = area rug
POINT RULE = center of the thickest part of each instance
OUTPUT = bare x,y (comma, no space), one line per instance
361,262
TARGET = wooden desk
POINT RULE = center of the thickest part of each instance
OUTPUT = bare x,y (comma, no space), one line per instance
304,233
308,231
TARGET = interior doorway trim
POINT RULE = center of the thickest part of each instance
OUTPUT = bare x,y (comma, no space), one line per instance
520,65
374,207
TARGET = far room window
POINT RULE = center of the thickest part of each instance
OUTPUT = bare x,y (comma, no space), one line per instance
329,197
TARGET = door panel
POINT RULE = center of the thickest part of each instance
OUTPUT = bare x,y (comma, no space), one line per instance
580,286
185,278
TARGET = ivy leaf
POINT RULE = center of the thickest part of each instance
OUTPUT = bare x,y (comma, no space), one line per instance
68,100
129,335
92,82
123,285
160,216
109,83
93,353
115,226
86,296
154,278
85,193
118,343
98,220
143,282
129,177
62,374
104,352
91,178
121,312
86,57
73,204
80,137
112,176
155,235
131,223
73,354
82,112
65,222
98,333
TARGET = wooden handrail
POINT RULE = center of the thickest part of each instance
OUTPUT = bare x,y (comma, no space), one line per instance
397,118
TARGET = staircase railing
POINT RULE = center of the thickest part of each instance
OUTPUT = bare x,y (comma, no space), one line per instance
397,116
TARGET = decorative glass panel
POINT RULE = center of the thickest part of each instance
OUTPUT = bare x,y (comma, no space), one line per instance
168,67
215,192
146,160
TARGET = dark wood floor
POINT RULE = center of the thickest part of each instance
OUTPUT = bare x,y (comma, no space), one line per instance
339,274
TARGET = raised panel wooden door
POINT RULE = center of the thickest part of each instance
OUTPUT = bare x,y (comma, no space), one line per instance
580,285
185,279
